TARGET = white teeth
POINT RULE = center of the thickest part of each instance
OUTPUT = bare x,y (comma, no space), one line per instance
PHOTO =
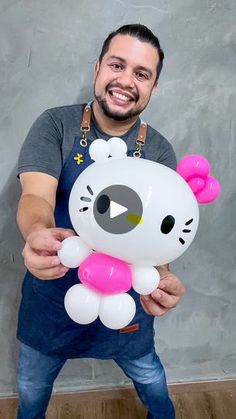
120,96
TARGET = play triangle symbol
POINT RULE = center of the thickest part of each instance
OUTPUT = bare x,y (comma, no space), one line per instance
116,209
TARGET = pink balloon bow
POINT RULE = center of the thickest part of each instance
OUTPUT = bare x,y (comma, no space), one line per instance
195,169
105,274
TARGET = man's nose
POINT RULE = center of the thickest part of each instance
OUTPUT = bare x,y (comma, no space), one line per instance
126,79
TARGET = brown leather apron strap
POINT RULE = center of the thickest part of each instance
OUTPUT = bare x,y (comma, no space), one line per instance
142,134
85,124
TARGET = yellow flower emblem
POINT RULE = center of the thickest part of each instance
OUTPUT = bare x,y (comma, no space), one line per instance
78,158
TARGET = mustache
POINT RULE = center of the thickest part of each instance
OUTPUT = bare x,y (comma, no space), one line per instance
134,95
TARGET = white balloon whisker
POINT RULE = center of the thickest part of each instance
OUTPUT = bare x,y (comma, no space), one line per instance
85,198
90,190
83,209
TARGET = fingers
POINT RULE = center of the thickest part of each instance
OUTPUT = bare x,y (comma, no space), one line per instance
165,297
172,285
62,233
151,307
48,239
40,252
34,260
43,267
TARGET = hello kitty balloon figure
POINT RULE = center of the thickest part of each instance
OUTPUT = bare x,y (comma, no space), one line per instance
131,215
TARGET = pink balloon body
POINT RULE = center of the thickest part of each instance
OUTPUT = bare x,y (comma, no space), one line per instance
105,274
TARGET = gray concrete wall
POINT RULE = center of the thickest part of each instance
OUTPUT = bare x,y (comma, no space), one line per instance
47,52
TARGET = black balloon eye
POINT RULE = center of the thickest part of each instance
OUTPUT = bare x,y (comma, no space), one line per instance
167,224
103,203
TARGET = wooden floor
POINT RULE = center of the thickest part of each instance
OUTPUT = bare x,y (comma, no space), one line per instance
212,400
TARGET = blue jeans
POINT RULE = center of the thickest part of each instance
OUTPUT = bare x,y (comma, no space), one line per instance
37,372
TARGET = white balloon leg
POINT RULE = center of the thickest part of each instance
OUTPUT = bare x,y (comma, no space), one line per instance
145,279
73,252
82,304
116,311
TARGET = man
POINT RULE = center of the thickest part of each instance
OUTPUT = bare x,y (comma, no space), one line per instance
53,155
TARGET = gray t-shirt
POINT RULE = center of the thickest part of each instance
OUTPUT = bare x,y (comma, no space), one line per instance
52,135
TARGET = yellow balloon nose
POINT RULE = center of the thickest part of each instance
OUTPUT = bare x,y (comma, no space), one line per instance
134,219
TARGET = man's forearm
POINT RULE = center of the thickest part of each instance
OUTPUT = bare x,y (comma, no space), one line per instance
34,213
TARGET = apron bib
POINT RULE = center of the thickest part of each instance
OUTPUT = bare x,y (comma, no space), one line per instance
43,322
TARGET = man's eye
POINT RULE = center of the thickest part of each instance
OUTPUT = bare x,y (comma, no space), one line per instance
116,66
142,76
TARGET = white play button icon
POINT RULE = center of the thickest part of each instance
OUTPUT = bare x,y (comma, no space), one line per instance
116,209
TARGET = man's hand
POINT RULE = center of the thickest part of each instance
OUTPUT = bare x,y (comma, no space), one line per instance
165,297
40,252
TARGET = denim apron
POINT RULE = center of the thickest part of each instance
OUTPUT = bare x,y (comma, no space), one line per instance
43,322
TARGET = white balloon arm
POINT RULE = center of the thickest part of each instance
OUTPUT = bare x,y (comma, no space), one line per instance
145,279
73,252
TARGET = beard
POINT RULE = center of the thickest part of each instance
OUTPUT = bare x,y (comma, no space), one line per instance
116,116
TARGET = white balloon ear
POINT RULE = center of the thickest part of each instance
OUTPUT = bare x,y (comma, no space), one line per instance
99,150
118,147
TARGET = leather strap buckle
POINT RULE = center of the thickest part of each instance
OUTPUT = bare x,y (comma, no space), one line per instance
140,141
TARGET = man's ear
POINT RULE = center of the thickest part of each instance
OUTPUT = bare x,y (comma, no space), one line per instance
154,88
96,70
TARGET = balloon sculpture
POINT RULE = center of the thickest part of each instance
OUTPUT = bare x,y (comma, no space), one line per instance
131,215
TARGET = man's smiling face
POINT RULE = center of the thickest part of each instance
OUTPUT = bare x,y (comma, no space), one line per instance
125,78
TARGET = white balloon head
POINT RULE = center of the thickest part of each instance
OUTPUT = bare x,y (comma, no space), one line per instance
160,233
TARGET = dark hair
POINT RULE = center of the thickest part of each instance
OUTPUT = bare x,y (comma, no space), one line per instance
143,34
